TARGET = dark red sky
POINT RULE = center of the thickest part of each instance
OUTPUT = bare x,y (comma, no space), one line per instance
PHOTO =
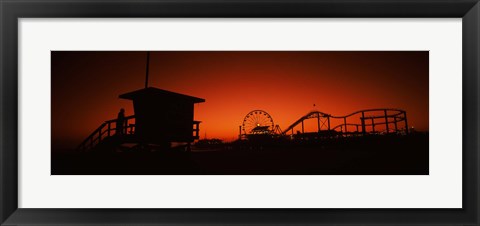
286,84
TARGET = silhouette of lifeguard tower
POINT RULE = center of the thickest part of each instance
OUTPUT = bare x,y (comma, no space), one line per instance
161,117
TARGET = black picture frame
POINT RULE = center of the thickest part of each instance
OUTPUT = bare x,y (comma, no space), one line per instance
12,10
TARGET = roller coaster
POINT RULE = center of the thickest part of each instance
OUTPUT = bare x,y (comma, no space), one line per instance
381,121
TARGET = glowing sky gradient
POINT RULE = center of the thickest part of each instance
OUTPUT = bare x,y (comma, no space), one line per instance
286,84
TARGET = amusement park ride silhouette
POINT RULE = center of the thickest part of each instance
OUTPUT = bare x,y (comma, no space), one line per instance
162,117
359,123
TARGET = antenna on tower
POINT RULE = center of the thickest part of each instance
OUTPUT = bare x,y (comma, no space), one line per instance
146,76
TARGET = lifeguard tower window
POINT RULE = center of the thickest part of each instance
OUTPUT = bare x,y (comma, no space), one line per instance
163,116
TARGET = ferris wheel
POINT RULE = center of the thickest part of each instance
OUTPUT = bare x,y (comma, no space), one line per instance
257,122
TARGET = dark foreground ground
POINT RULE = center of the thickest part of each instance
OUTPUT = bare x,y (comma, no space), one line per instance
375,155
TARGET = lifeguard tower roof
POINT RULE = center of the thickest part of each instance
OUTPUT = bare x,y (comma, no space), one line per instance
155,93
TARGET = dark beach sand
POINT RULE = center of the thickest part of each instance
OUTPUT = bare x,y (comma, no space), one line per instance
374,155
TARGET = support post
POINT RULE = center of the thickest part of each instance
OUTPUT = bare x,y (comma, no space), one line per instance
386,120
373,126
328,118
302,128
406,123
363,123
345,123
197,127
318,122
108,129
395,123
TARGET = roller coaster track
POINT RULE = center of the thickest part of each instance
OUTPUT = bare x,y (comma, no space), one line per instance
370,118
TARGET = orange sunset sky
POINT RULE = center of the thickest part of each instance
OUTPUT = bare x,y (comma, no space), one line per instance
286,84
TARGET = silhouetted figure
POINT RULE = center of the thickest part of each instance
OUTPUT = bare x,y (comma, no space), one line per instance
120,122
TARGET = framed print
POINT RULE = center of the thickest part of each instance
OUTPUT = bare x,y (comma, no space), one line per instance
374,141
316,112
